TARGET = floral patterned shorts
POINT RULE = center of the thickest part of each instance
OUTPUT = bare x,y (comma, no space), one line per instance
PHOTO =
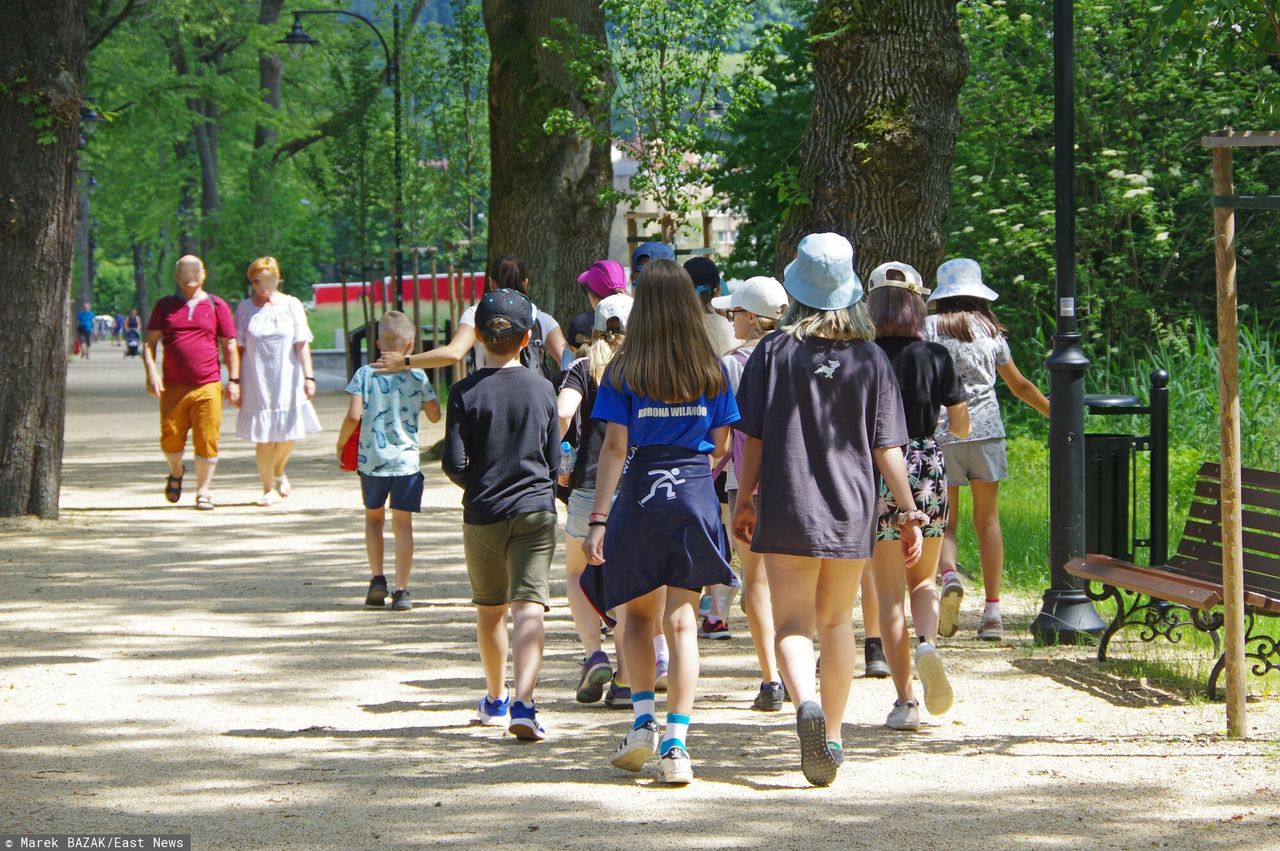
927,473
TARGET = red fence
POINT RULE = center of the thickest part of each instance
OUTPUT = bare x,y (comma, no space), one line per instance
383,291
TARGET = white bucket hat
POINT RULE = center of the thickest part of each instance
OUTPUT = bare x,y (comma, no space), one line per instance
962,277
760,295
614,307
822,274
911,278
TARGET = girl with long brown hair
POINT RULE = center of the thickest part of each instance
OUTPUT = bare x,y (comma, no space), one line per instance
667,403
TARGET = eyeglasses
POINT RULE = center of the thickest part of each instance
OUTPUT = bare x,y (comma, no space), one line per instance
733,311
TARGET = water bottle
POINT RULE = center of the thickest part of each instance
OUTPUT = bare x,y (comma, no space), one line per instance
568,459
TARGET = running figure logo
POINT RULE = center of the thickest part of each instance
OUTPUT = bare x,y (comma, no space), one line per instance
667,480
828,371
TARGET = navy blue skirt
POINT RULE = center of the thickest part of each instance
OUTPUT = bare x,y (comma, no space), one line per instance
664,529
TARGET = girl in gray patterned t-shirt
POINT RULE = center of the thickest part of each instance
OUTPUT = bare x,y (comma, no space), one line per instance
967,326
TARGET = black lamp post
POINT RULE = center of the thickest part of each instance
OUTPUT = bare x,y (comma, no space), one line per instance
1067,616
298,39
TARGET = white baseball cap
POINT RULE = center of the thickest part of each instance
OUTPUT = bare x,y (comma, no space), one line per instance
760,295
910,280
614,307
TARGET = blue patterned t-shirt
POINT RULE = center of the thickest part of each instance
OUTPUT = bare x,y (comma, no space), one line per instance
389,428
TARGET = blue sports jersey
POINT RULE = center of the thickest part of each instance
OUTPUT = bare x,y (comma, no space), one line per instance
653,423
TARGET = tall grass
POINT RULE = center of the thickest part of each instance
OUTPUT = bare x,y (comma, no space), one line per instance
1191,359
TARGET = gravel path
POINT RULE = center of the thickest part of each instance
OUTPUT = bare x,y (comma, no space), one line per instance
164,670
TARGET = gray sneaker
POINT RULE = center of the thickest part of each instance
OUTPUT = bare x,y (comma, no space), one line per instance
991,629
949,606
400,601
905,716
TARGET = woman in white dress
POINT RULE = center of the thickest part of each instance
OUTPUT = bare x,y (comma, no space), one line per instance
277,379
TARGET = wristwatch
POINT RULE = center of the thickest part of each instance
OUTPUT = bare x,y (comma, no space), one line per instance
407,365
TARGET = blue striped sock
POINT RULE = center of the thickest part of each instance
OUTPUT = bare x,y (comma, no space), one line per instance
642,704
677,729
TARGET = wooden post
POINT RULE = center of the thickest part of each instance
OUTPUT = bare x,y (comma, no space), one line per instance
417,318
1224,228
435,322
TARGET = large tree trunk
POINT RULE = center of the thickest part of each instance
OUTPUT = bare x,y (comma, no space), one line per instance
876,157
269,69
544,196
44,41
141,299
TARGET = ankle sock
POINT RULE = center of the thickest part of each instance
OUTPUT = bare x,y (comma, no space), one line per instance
675,733
992,609
948,574
660,649
642,706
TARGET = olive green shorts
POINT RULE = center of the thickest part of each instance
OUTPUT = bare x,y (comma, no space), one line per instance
511,559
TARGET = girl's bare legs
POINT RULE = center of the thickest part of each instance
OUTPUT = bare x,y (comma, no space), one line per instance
947,561
759,608
585,619
815,595
986,523
681,628
890,573
637,640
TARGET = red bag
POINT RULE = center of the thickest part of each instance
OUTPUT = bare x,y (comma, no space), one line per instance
351,451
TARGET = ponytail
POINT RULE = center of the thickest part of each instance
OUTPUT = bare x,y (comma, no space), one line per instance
508,272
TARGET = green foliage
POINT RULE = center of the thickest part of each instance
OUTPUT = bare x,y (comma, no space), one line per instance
673,95
1237,33
759,169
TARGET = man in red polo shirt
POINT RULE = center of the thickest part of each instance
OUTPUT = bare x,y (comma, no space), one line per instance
193,325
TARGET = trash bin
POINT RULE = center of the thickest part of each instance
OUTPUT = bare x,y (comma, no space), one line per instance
1108,467
1110,520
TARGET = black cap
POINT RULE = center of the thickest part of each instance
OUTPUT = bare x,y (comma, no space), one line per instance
502,313
705,274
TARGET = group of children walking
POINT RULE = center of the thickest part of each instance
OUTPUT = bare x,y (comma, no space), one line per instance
844,422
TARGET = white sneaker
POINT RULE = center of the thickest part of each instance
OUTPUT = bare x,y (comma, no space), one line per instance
637,748
991,628
905,716
675,767
933,677
949,606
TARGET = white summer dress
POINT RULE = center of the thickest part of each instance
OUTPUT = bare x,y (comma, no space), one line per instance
273,401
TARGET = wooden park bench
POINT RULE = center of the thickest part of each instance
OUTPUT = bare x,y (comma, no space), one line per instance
1187,590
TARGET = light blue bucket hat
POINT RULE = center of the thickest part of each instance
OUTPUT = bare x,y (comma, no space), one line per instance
962,277
822,274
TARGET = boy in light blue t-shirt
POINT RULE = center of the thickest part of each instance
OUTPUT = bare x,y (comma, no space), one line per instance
385,406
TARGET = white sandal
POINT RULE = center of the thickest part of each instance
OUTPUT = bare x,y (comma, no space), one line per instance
283,487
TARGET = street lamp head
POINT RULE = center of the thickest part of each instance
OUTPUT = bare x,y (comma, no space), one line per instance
298,39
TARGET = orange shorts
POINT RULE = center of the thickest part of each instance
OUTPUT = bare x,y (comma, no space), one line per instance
195,408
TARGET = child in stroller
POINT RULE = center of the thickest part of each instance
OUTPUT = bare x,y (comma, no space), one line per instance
132,343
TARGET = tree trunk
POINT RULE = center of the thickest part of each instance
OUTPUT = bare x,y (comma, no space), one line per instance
876,156
544,196
45,41
141,300
269,69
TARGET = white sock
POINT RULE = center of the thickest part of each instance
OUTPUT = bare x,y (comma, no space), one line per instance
660,648
992,610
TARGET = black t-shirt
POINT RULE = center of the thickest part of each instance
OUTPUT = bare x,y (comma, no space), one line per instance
502,444
591,436
927,378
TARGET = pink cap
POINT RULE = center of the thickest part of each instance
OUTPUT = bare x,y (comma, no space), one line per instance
604,278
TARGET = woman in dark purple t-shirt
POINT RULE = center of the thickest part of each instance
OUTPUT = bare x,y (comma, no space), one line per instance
819,400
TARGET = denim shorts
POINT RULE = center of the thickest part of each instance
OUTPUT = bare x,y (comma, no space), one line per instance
581,503
975,460
405,491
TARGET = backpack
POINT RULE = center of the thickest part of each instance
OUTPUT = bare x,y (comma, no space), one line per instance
534,355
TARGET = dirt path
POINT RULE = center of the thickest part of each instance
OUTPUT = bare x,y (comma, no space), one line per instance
164,670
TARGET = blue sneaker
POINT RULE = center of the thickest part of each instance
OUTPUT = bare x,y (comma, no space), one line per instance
493,713
524,723
596,673
617,697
